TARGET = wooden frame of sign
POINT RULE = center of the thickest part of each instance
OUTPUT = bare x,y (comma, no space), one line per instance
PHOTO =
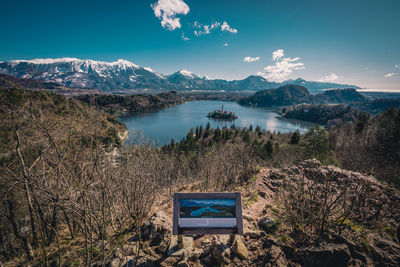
207,213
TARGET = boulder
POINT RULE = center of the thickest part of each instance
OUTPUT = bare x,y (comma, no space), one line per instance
221,253
384,251
178,249
157,228
182,263
240,249
325,255
276,257
268,224
310,163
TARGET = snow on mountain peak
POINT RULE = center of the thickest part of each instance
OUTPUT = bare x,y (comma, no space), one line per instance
120,62
187,73
46,60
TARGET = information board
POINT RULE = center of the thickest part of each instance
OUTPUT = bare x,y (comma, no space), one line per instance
207,213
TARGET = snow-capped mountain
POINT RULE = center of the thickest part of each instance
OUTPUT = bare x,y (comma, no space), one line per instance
77,73
125,75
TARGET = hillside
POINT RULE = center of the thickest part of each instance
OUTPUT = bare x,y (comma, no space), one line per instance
8,81
70,201
282,96
123,75
132,103
294,94
273,236
346,95
329,115
73,196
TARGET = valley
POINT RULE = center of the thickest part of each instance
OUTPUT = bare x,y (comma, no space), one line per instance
87,196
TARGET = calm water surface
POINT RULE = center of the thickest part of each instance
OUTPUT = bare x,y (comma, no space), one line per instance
175,122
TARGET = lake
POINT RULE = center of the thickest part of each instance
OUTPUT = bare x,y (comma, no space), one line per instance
175,122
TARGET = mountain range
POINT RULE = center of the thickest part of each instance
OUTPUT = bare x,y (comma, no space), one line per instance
125,75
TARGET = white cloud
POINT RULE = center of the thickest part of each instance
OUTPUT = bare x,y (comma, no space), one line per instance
390,74
277,54
329,78
251,59
205,29
226,44
225,27
166,11
184,38
283,67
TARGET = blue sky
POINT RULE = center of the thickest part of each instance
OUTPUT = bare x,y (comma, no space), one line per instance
346,41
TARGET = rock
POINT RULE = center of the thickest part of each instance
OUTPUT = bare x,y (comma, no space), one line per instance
197,264
268,224
127,261
220,239
310,163
384,251
270,241
324,255
157,228
170,261
178,249
221,253
276,257
182,263
208,261
254,234
355,263
240,249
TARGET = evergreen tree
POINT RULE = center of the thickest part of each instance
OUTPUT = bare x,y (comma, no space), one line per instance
295,138
316,143
259,131
268,147
246,137
201,131
362,122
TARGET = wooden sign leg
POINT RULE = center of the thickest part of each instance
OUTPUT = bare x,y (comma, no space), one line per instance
180,241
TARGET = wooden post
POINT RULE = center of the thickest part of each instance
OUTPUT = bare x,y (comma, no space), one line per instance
232,238
180,241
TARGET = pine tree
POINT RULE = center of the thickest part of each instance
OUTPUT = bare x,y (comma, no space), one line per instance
295,138
316,143
268,147
362,122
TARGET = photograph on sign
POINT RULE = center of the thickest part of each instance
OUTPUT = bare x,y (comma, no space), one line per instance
207,212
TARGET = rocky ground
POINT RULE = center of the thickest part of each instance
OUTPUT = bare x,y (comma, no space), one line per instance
267,240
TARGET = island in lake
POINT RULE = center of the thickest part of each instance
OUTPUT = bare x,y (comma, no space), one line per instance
222,114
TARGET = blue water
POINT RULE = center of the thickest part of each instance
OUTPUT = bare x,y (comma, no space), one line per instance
175,122
200,211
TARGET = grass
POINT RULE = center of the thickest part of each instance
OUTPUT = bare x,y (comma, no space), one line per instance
252,199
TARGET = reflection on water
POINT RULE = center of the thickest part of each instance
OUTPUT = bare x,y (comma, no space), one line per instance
176,122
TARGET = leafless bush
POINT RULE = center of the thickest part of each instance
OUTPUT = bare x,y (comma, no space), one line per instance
318,205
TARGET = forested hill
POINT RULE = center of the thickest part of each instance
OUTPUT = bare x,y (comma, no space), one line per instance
323,114
132,103
282,96
294,94
8,81
36,113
